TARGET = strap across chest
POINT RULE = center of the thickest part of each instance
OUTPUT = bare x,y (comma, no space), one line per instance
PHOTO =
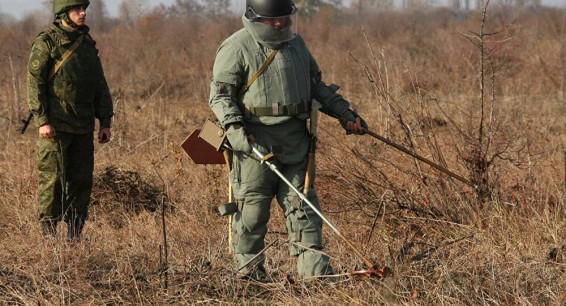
64,57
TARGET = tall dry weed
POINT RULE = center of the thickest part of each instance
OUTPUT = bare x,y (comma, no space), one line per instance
409,74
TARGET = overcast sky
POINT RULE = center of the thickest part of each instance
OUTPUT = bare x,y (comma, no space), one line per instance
19,8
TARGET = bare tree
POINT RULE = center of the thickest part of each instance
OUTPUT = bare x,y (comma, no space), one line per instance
375,5
98,13
532,3
308,7
416,4
183,8
131,10
486,144
217,8
455,4
6,18
480,4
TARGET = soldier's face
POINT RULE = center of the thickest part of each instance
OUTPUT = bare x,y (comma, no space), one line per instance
78,15
277,23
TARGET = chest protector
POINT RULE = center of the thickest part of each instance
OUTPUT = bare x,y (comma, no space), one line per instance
283,89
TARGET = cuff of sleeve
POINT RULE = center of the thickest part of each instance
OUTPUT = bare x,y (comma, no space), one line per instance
105,123
345,112
340,109
227,123
40,120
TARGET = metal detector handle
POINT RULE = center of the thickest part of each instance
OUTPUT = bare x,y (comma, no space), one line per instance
300,194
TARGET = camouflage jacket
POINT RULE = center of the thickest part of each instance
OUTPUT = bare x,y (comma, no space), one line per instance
78,93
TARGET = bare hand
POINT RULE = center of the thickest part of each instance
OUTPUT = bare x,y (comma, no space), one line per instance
46,131
104,135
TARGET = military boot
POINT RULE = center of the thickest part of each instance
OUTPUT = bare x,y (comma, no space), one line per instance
257,273
49,228
311,264
74,229
251,267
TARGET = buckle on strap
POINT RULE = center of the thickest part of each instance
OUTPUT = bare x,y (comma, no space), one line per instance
278,110
275,109
292,108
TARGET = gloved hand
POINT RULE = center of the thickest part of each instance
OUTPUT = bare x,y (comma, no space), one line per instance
237,138
348,122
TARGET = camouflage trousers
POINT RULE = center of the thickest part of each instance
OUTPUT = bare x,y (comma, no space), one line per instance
255,186
66,165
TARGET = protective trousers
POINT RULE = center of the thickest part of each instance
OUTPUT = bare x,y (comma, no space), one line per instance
66,165
255,185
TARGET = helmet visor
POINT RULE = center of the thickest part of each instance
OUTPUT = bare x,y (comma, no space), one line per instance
268,35
254,16
275,30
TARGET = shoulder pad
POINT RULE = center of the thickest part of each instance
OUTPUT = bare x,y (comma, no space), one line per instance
43,36
46,36
44,41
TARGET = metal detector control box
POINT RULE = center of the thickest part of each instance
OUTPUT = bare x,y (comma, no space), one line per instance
213,134
203,146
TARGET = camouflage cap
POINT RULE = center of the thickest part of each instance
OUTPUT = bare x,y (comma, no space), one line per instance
61,6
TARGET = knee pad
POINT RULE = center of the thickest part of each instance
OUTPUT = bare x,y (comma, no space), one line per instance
304,227
249,227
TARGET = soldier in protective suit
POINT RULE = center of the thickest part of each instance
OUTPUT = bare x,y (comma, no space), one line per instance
271,112
67,90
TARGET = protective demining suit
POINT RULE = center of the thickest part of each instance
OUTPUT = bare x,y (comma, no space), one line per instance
274,110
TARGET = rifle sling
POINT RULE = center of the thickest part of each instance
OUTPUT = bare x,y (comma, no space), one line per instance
64,58
58,64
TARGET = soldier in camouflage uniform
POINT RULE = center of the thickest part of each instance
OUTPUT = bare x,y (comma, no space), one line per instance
273,113
65,103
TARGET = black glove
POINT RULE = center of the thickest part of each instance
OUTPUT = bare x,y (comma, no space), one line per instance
350,116
237,138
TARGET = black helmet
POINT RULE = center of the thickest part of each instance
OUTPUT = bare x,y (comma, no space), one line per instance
269,9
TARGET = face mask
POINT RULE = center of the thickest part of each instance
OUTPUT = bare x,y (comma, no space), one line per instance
267,35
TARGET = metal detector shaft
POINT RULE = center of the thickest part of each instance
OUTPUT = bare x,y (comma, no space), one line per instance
304,198
424,160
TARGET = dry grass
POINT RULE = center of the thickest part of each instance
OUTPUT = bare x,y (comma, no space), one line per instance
444,246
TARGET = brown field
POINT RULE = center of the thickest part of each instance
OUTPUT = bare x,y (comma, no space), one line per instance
414,76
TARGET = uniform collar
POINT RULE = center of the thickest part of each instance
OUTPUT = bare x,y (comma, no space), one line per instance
67,36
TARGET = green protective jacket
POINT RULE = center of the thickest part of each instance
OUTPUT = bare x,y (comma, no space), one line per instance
78,93
292,80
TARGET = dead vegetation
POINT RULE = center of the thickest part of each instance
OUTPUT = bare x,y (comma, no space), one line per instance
116,187
412,76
